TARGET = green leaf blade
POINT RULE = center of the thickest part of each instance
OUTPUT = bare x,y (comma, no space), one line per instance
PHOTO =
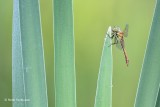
65,81
28,69
150,76
104,83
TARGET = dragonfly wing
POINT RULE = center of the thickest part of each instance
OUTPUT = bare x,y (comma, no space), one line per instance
126,30
118,44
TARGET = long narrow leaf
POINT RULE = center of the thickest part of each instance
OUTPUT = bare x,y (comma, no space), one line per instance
104,83
28,70
65,83
150,76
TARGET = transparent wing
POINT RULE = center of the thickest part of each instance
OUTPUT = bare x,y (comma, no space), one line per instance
126,30
118,44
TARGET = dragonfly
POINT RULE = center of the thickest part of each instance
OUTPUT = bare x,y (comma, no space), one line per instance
118,36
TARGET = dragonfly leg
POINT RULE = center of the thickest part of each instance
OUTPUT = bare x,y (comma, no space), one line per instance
115,42
113,34
112,44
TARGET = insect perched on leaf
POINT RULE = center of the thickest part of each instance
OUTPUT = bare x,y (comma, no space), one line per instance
118,36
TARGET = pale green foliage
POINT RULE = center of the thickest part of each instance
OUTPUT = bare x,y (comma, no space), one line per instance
150,76
65,82
28,70
104,83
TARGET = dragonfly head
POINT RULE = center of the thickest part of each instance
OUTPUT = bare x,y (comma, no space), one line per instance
116,29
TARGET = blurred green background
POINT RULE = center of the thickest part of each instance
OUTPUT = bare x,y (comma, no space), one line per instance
91,21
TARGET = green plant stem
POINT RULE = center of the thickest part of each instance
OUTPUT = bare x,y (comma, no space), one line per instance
104,83
150,75
65,82
28,70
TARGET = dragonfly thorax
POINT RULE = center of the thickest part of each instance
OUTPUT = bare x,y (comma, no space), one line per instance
116,32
